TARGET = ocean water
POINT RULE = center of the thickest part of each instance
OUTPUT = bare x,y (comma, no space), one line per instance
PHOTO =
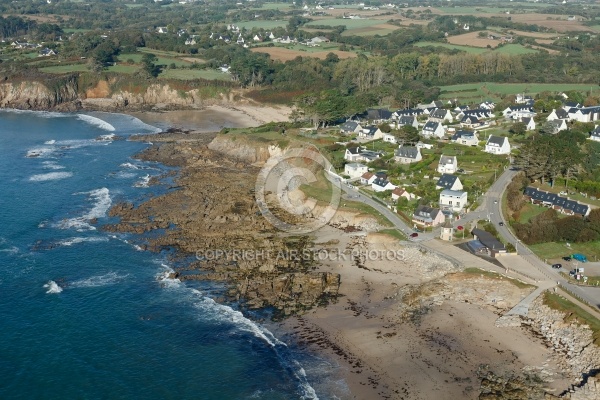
84,313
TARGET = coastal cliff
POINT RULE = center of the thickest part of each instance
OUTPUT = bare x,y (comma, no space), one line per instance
67,94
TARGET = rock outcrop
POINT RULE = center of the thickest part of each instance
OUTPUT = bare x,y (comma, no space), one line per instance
35,95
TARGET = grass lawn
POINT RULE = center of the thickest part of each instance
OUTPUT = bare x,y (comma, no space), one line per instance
348,23
123,68
529,211
494,275
308,49
556,250
573,313
471,10
266,24
189,74
64,69
369,32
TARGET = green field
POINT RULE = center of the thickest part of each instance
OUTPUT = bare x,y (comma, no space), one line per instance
557,250
369,32
123,68
308,49
494,91
189,74
261,24
348,23
514,49
472,10
64,69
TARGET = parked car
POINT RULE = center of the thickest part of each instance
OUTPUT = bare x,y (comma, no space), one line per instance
414,235
495,201
557,266
567,258
501,223
562,193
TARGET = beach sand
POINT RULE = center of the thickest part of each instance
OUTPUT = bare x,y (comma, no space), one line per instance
215,118
435,354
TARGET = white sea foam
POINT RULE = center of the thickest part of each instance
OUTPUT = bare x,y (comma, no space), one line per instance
130,165
50,176
106,138
11,250
144,182
96,122
40,152
41,114
102,202
219,313
52,165
50,142
53,287
109,278
77,240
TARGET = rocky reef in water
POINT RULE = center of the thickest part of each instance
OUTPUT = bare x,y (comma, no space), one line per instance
213,211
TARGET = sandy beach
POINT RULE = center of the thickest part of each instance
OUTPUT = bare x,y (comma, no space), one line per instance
214,118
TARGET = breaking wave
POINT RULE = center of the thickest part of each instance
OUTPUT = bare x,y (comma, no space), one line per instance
110,278
96,122
53,287
102,202
50,176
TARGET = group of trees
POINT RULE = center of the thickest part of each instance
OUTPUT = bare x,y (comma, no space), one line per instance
548,227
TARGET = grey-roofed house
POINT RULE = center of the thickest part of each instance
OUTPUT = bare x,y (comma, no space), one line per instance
497,145
493,245
433,129
559,203
529,123
447,164
559,113
408,120
350,127
450,182
428,216
407,154
466,138
441,115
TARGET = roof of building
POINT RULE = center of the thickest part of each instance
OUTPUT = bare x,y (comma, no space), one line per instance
381,182
367,175
356,165
431,126
561,113
349,125
398,191
407,152
439,113
497,140
353,150
447,181
426,212
488,239
453,193
463,134
556,200
406,120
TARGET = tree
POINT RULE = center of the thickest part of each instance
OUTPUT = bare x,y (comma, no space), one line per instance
149,66
518,128
407,134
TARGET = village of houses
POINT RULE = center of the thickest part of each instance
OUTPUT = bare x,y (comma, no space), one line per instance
448,128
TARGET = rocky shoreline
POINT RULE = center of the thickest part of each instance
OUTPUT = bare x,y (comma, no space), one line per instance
213,209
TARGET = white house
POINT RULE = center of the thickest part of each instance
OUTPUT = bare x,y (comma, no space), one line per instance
453,200
355,154
585,114
350,127
162,29
447,164
556,126
441,115
449,182
408,120
388,137
355,170
401,192
381,184
371,133
367,178
529,123
466,138
497,145
518,112
557,114
407,154
522,99
487,105
433,129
